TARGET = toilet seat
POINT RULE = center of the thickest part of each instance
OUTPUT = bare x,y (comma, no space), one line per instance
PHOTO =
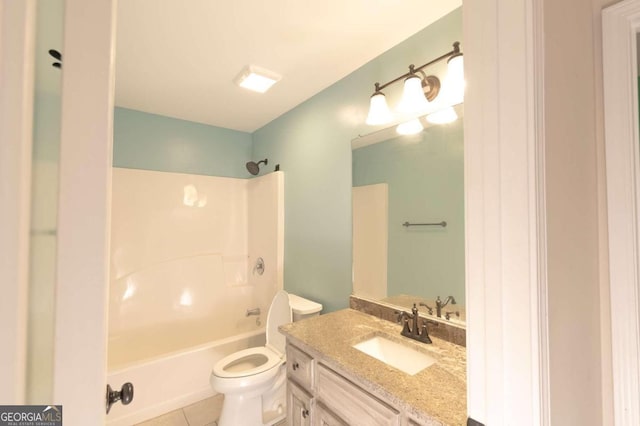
248,362
256,360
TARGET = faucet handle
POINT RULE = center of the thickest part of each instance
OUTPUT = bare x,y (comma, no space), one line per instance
401,315
447,315
424,335
254,311
429,308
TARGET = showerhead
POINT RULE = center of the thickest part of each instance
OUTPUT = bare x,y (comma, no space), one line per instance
254,167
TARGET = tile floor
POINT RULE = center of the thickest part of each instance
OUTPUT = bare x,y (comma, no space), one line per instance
202,413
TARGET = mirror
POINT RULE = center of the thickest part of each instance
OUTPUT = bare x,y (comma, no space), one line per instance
408,218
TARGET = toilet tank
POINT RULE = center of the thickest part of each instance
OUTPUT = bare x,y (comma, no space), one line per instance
303,308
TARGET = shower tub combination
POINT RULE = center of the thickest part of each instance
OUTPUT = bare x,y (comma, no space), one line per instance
185,256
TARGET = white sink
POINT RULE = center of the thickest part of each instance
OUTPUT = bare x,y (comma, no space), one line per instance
395,354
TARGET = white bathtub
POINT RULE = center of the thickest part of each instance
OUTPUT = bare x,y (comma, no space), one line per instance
170,381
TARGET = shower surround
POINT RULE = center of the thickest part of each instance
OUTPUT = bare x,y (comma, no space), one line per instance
183,256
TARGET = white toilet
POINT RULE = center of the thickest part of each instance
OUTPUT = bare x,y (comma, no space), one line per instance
253,380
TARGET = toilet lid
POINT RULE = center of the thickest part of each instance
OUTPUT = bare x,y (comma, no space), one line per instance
279,314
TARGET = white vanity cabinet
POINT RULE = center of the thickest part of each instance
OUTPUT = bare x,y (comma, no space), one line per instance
319,396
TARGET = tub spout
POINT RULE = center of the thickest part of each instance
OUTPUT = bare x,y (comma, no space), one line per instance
254,311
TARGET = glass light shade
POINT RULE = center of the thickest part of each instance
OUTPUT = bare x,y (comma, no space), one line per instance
454,81
379,112
413,100
443,116
455,68
410,127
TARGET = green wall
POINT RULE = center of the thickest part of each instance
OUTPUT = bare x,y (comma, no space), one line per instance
154,142
425,177
312,145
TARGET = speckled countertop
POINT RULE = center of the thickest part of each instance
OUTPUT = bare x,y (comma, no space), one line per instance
435,395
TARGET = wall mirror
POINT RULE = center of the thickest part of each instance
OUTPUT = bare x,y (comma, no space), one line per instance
408,218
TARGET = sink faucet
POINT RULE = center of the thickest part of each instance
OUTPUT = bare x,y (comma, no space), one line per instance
413,332
439,305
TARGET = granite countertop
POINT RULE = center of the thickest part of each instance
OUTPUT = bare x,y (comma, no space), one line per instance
435,395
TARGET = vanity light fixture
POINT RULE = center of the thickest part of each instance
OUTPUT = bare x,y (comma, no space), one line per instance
257,79
419,89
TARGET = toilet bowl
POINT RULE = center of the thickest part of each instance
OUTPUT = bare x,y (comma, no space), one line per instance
253,380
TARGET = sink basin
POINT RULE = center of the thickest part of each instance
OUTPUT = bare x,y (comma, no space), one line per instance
395,354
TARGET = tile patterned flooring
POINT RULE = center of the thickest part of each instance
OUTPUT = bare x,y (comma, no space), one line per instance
202,413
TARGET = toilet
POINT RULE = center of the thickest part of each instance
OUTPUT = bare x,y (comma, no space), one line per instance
253,380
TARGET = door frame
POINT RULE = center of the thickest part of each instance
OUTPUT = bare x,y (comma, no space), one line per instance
82,281
17,62
505,213
620,25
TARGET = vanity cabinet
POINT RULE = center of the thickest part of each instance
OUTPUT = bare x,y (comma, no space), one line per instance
319,396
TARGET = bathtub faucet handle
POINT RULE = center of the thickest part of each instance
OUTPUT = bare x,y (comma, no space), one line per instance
254,311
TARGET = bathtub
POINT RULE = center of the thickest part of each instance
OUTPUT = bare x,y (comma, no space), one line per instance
169,381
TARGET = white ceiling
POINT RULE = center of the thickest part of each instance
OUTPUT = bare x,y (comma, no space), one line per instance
179,58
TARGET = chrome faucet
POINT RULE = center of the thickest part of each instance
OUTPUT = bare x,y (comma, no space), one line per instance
439,305
413,332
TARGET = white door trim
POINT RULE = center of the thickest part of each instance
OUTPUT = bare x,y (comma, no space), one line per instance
84,210
506,281
620,24
17,43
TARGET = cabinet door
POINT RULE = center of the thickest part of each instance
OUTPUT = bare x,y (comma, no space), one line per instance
352,403
300,367
322,416
299,405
